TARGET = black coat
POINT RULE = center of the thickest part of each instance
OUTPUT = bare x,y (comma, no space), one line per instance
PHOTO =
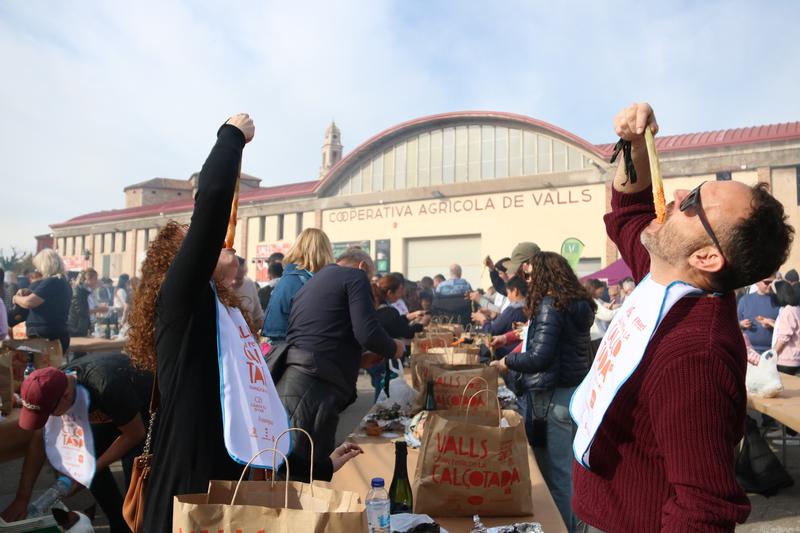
558,352
78,320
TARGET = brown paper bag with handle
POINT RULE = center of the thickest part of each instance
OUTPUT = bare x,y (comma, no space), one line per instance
441,356
6,381
473,465
424,342
453,385
269,506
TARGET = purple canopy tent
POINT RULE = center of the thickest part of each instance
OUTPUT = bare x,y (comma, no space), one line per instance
612,274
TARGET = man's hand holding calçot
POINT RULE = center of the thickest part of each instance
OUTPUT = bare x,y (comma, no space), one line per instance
631,122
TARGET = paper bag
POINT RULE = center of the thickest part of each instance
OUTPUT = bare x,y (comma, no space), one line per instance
422,343
259,507
441,356
454,384
471,465
6,381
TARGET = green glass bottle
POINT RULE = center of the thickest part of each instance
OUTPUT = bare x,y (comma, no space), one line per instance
400,498
430,398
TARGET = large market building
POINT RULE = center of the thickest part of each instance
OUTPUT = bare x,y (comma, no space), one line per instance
446,188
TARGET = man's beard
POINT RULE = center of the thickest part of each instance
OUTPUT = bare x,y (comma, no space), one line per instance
667,244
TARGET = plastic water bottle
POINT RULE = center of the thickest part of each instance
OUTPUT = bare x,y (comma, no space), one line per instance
378,508
43,503
29,368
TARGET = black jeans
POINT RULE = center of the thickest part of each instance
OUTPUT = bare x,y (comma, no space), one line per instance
104,487
313,405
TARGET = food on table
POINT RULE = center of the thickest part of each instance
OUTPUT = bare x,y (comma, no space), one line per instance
373,429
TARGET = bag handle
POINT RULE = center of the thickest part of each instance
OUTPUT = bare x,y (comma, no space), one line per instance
155,399
466,387
311,462
286,484
497,399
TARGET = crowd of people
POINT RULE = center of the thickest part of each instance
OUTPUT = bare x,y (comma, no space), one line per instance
632,393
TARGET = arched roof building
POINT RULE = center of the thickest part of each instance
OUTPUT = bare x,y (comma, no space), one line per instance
451,187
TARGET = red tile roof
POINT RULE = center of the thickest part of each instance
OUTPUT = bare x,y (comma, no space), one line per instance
720,138
179,206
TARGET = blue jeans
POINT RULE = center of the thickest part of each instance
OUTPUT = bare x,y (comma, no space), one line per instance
554,459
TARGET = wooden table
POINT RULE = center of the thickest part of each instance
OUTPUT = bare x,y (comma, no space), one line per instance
378,461
93,344
785,408
13,439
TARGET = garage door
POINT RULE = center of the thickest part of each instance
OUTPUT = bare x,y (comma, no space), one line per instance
431,256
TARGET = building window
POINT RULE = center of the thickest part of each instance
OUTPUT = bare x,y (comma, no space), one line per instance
514,152
146,238
83,245
102,243
448,155
724,176
501,152
262,229
424,160
124,241
797,181
298,225
280,227
487,152
543,149
559,156
400,166
377,174
436,157
113,241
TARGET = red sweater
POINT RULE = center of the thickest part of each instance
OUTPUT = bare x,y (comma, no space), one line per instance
663,458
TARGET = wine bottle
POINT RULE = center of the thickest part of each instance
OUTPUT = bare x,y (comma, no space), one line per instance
430,398
401,499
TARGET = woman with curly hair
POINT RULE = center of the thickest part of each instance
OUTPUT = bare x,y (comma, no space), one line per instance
173,331
554,358
176,330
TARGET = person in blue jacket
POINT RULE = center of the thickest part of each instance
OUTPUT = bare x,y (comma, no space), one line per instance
311,251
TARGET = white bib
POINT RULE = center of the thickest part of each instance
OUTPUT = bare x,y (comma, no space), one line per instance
525,337
620,352
252,413
68,440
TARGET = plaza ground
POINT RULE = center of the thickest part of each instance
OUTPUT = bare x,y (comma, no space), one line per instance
778,514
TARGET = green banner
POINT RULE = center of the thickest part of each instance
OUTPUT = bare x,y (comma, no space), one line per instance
571,250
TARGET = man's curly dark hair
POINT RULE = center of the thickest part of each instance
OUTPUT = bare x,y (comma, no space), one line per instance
756,246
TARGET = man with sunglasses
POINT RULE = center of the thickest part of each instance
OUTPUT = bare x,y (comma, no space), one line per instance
757,313
663,407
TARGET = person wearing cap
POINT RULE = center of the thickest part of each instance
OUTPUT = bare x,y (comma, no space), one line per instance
522,254
102,396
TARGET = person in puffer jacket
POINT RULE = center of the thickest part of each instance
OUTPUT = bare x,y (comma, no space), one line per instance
554,360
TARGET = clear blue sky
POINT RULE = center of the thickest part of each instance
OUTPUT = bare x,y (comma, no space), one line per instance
97,95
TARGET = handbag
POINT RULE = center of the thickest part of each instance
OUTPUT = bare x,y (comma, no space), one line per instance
276,360
758,470
133,506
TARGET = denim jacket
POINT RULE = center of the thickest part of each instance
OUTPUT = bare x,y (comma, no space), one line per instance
276,321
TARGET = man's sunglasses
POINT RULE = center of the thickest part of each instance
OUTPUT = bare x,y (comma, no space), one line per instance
692,201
